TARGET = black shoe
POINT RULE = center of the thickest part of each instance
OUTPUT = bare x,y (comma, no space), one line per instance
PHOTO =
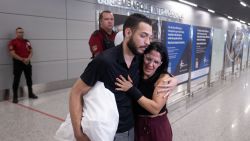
33,96
15,100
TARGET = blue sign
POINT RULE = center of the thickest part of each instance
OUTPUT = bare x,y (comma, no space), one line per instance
201,51
177,41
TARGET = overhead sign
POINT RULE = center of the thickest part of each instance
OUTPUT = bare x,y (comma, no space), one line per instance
142,7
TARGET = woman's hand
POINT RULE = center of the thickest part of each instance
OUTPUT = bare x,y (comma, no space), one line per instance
166,84
123,84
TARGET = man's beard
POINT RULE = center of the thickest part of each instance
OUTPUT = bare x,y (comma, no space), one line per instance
132,47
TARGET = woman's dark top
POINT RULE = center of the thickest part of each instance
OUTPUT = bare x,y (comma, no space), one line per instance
146,86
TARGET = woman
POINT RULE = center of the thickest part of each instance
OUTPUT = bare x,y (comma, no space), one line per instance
152,123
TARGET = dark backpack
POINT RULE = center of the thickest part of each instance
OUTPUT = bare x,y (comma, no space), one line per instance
107,42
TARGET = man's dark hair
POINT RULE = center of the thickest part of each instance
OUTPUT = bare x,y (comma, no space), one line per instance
18,28
133,21
101,14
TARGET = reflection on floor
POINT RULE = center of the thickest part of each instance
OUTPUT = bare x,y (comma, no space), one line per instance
220,113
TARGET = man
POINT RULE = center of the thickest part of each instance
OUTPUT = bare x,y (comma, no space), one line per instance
106,67
21,52
103,38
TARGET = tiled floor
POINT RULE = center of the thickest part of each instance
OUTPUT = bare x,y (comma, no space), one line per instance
220,113
33,120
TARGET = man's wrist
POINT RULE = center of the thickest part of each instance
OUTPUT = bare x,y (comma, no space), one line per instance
78,132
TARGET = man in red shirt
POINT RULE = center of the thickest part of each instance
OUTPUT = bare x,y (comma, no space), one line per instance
103,38
21,52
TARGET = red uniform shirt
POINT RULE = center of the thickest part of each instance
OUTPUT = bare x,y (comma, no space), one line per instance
22,47
96,41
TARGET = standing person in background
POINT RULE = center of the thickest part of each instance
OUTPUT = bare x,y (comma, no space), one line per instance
103,38
21,52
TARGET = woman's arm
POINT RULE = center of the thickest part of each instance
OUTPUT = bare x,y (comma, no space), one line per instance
159,99
153,105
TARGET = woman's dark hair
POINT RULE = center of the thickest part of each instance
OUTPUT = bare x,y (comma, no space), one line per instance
133,21
159,47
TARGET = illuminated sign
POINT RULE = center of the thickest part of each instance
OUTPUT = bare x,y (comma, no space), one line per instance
141,7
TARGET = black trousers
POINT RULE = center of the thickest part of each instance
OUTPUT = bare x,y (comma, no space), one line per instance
18,68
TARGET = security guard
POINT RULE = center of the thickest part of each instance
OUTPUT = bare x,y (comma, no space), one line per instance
103,38
21,52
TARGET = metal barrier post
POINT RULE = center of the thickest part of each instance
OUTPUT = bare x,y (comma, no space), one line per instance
209,71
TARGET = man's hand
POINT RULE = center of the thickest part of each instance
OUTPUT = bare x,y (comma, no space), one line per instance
26,61
82,137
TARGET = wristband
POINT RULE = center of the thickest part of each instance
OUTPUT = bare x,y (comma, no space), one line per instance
134,93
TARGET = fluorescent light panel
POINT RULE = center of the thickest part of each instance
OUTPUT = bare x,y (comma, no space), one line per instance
242,21
212,11
243,3
189,3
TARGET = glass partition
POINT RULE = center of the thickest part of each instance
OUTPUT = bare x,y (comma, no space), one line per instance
217,54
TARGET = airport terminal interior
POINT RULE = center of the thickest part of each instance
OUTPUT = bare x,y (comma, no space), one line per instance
208,45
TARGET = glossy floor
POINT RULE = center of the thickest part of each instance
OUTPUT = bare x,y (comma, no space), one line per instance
220,113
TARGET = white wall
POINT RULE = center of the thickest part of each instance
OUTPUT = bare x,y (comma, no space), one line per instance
58,30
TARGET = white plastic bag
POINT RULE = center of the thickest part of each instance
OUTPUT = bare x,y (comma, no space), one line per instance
65,131
100,118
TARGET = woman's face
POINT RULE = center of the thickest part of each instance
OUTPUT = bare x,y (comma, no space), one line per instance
151,62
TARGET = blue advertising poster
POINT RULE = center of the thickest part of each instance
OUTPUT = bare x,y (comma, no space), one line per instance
177,40
201,51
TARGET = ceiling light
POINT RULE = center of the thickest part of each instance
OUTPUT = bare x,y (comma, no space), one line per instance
189,3
242,21
243,3
229,17
212,11
249,24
